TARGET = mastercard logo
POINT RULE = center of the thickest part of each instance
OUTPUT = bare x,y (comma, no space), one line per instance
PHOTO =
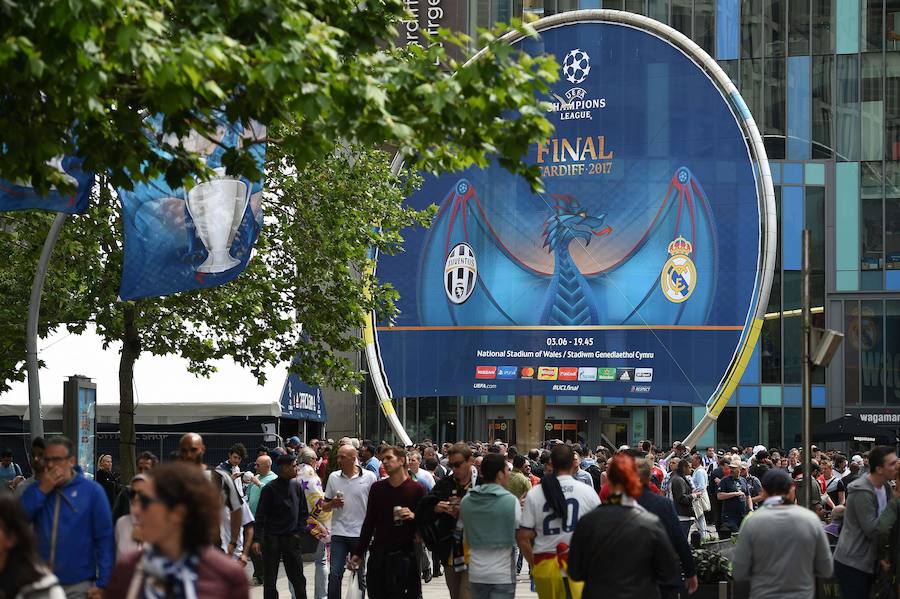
527,372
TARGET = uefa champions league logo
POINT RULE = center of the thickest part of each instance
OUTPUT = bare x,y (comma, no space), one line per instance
576,66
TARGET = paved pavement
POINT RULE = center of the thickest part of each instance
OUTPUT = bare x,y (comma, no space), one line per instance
436,589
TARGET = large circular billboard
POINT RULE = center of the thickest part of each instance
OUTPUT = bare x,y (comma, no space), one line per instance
639,272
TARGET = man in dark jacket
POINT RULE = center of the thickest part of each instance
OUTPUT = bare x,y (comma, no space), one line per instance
665,511
437,519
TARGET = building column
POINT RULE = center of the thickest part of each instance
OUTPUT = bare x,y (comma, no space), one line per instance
531,413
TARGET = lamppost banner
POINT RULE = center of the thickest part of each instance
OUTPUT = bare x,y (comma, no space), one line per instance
636,273
198,236
20,195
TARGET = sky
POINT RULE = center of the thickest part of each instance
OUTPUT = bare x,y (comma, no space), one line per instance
156,379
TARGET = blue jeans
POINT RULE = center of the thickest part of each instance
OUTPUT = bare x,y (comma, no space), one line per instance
480,590
340,549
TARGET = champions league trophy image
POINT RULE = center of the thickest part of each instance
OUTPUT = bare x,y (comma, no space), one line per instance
217,207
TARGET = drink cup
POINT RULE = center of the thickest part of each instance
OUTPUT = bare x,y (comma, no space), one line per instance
398,521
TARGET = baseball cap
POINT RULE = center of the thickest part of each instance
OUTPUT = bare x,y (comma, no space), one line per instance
735,462
777,482
857,458
758,448
624,448
294,441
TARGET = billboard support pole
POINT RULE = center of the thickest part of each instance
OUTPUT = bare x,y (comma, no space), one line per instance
530,416
36,424
805,373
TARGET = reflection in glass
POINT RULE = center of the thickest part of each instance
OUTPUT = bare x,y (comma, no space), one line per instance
892,25
659,10
751,29
798,27
892,105
731,69
822,26
792,350
752,86
822,106
775,26
872,20
892,233
892,352
681,422
635,6
681,16
847,107
871,225
447,419
851,353
704,24
871,358
774,90
872,107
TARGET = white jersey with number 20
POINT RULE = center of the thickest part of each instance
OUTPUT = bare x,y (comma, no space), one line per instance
551,530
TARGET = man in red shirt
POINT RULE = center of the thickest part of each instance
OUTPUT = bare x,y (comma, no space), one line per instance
392,571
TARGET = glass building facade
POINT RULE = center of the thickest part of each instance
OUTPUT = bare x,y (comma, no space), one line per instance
822,79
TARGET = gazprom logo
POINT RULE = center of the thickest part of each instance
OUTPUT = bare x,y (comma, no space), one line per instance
460,273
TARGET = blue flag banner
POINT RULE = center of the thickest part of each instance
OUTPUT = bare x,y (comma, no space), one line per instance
638,273
194,237
20,195
301,401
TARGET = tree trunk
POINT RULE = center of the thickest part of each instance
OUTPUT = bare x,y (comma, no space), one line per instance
131,349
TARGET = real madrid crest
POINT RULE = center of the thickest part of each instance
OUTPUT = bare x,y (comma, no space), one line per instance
679,275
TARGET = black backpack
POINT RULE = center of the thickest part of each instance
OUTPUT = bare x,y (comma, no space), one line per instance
594,471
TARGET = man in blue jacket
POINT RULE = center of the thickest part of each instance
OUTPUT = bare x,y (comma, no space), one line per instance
73,523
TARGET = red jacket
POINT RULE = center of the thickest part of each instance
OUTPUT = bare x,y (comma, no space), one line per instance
217,576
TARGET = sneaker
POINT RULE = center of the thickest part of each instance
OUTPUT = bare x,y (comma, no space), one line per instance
426,576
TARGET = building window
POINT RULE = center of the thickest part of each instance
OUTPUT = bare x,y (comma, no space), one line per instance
892,352
871,356
771,427
682,422
822,107
448,410
726,428
798,27
749,426
705,24
851,353
774,89
872,107
793,425
751,29
892,103
847,107
822,26
872,19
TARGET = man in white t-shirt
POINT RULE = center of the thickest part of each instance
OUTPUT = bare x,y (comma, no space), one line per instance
347,497
543,525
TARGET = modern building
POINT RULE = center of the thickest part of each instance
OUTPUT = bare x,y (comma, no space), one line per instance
822,79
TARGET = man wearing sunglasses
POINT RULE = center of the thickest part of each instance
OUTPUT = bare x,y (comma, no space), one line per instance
438,519
73,523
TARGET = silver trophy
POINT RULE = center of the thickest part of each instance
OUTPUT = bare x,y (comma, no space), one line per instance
217,207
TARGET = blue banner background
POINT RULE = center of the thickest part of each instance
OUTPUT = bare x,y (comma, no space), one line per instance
23,197
162,247
578,268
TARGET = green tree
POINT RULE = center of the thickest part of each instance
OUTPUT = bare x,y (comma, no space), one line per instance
305,291
81,75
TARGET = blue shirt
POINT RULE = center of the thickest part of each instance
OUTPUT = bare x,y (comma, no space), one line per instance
734,506
374,466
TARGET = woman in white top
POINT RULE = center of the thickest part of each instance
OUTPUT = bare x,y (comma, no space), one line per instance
127,536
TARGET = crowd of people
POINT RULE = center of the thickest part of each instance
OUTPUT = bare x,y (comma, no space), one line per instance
382,519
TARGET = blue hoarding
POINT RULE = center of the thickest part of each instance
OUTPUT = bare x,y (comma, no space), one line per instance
636,273
301,401
177,239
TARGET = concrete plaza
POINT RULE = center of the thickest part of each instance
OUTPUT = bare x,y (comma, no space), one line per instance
436,589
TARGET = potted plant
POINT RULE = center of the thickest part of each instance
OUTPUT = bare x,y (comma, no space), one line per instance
714,577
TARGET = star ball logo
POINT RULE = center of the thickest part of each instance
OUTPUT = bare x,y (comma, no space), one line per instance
576,66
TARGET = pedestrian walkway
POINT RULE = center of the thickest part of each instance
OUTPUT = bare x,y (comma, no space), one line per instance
436,589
